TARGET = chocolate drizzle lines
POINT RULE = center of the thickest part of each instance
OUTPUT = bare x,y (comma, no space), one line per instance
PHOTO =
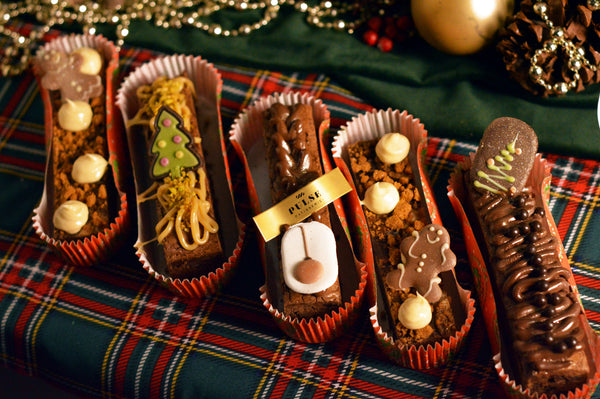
537,295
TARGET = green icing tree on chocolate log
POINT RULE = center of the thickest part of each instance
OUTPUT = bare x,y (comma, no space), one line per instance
170,143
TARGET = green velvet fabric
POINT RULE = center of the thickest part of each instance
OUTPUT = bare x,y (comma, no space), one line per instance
454,96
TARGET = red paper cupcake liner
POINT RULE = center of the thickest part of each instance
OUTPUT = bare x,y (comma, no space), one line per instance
99,247
539,179
202,286
208,86
246,137
369,126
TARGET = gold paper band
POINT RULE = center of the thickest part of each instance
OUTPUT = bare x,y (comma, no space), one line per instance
301,204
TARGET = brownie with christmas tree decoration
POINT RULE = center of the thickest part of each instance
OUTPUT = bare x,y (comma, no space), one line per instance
178,186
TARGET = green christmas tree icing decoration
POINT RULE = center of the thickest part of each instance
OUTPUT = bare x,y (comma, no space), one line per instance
171,145
499,164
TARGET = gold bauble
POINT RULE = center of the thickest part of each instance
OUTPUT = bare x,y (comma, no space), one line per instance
460,26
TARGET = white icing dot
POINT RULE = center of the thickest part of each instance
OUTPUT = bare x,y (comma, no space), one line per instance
421,263
423,256
419,270
431,228
440,232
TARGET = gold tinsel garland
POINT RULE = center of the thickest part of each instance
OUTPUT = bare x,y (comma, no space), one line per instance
553,47
331,14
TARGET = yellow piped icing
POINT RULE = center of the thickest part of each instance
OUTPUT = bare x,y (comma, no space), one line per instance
71,216
92,60
392,148
75,115
381,198
163,91
88,168
415,312
184,200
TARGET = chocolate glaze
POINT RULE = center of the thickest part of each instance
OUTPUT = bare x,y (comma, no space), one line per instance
292,152
544,314
293,161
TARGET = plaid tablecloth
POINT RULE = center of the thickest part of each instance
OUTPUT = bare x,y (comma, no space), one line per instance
111,331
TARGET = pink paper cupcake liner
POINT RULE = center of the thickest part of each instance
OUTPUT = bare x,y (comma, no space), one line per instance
99,247
372,125
246,137
208,85
540,179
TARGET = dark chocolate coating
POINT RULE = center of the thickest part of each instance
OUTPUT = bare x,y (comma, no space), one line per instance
514,167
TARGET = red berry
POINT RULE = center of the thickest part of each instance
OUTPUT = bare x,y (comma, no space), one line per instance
404,23
391,31
385,44
375,23
370,37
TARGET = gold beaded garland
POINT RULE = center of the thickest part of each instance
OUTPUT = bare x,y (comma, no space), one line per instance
330,14
576,55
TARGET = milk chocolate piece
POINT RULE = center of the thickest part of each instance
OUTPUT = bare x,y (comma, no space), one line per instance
293,160
505,156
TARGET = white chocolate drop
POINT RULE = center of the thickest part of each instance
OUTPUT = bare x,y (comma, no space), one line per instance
92,60
75,115
71,216
392,148
316,242
89,168
415,312
381,198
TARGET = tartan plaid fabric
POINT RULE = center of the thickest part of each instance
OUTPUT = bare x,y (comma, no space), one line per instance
111,331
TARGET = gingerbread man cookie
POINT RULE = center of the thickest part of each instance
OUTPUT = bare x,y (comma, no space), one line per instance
63,72
425,254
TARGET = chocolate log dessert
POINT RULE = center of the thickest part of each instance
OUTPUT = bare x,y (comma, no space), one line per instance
308,259
542,323
187,231
81,187
400,228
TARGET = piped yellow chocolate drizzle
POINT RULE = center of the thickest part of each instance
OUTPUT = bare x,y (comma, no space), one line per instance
185,201
163,91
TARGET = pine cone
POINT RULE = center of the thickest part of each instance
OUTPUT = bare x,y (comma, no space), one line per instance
527,32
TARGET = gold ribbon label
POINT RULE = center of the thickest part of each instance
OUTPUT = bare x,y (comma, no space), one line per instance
315,195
